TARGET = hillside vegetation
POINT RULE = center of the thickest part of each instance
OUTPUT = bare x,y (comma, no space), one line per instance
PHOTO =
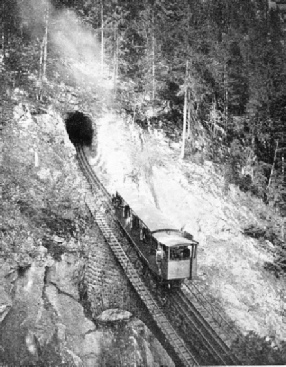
189,102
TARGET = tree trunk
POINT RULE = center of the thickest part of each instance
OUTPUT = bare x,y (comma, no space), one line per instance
226,96
3,30
45,50
185,113
273,165
43,54
115,62
153,60
102,39
189,114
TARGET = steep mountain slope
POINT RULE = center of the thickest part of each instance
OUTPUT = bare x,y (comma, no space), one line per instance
231,265
45,240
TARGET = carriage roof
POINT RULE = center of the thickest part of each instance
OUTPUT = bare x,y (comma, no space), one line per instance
161,228
172,239
153,218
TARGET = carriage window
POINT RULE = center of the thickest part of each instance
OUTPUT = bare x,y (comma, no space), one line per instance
194,251
126,211
117,200
186,252
165,252
161,251
135,221
179,253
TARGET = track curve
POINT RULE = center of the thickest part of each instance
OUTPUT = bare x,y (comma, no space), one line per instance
191,337
182,355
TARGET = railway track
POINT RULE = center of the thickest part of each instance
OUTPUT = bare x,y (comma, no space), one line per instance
197,292
190,334
215,349
184,355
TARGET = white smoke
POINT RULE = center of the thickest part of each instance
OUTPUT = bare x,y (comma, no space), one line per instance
76,43
32,14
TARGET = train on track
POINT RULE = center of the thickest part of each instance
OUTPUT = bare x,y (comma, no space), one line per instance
170,254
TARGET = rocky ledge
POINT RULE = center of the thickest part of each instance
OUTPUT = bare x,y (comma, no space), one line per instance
42,321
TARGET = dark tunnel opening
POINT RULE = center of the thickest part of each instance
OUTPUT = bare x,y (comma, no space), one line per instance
79,128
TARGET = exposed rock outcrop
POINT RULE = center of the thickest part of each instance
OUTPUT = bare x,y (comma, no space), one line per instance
42,320
43,323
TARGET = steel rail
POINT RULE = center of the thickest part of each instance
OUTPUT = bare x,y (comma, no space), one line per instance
212,341
216,348
211,313
185,357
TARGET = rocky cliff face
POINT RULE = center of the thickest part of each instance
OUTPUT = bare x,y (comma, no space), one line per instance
43,322
43,247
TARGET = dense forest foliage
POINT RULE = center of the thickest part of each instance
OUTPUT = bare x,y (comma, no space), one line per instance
216,65
211,73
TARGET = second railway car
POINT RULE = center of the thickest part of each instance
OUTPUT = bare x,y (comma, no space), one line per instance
171,254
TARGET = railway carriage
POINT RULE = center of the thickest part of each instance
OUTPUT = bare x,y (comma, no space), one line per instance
171,254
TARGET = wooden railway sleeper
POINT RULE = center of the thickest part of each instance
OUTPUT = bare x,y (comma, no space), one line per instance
159,317
202,323
207,325
153,308
224,359
217,318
